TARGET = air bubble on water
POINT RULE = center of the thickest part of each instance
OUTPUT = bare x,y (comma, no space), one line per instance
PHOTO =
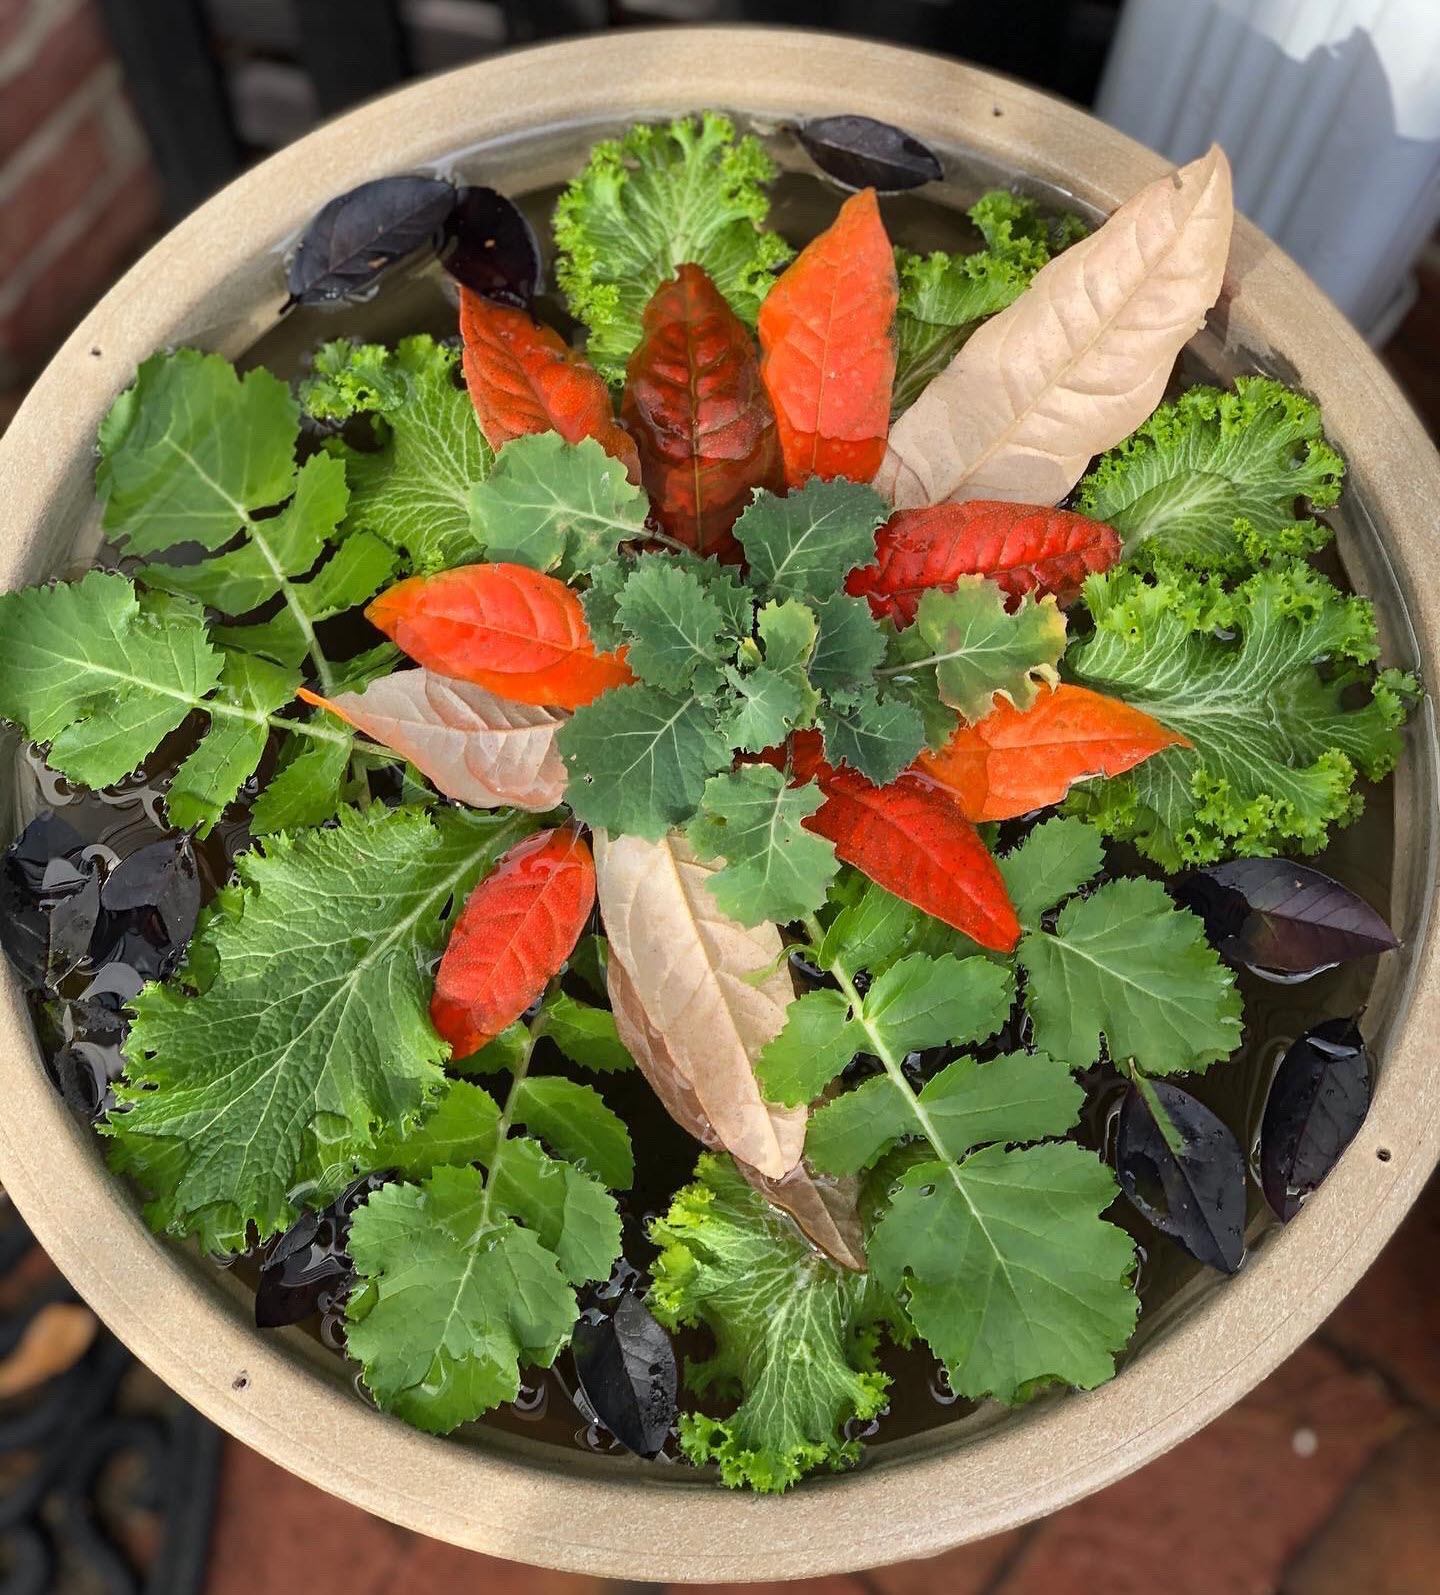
1305,1443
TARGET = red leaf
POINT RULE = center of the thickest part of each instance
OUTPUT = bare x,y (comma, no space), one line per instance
507,628
513,936
697,409
1009,762
1023,548
911,839
524,378
829,353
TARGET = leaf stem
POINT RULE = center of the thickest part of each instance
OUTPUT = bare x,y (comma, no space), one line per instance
666,541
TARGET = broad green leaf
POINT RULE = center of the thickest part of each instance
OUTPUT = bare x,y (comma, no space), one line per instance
879,738
774,868
452,1299
674,627
1275,742
1053,862
509,1051
851,644
790,1331
638,760
601,600
979,650
314,1035
1127,964
788,632
874,928
586,1035
570,1211
574,1122
1213,479
549,503
924,1002
463,1127
646,204
802,545
414,492
1008,1270
817,1042
768,707
305,790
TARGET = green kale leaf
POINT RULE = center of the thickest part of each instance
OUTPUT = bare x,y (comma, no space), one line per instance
802,546
413,492
1276,742
646,204
795,1334
675,627
1213,479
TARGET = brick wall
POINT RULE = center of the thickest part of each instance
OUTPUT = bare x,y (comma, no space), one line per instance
78,196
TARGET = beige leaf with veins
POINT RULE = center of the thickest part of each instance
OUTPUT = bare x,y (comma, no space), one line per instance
714,991
825,1206
1078,361
476,748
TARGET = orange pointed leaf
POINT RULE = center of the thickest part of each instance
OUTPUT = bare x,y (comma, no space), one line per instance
513,936
697,409
507,628
524,378
1022,548
826,329
1011,762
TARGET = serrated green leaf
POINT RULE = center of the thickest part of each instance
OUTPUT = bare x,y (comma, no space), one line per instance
923,1002
509,1051
774,868
788,632
879,738
586,1035
768,706
462,1127
305,790
601,600
638,760
1053,862
1007,1268
574,1122
873,927
978,649
414,492
673,626
646,204
815,1044
794,1333
1127,964
803,545
549,503
850,645
314,1034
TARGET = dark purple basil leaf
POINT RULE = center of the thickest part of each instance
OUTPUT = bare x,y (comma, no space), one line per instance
863,153
362,233
1193,1190
82,1073
75,910
1318,1101
1278,915
626,1368
492,248
24,906
162,879
307,1268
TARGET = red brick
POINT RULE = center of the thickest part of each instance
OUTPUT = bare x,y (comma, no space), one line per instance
273,1533
52,188
62,294
1385,1539
1224,1513
430,1566
1391,1320
970,1570
66,58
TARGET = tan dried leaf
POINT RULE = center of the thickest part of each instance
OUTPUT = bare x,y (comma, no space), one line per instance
714,991
55,1339
476,748
1078,361
825,1206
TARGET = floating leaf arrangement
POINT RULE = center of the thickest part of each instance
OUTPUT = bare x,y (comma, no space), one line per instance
706,661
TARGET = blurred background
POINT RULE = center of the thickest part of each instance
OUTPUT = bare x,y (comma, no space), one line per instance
116,118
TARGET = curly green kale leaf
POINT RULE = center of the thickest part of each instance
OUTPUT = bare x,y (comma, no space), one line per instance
312,1035
802,546
795,1334
413,491
1276,741
646,204
943,298
1214,479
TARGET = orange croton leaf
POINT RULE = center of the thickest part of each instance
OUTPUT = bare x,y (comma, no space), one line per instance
826,332
1011,762
513,936
1022,548
524,378
512,630
911,839
697,409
